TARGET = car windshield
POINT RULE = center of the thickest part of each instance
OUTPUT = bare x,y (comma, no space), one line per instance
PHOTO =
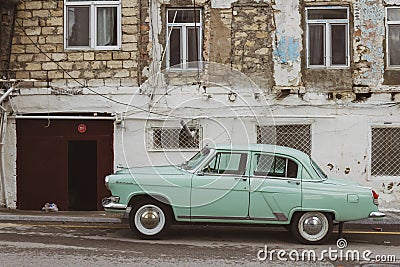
319,171
192,163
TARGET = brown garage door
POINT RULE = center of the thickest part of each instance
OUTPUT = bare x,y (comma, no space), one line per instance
63,162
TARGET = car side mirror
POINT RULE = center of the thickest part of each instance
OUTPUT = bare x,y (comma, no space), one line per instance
201,173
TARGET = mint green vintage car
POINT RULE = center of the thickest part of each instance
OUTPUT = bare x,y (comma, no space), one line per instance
254,184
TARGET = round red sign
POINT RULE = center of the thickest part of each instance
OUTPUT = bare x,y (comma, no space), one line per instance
82,128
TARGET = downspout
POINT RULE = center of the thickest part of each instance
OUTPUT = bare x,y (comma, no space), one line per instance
12,5
3,130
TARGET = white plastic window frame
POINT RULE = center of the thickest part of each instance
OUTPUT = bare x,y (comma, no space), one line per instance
328,42
93,5
395,22
184,44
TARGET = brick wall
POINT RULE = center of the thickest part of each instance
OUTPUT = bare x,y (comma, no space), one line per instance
43,22
7,9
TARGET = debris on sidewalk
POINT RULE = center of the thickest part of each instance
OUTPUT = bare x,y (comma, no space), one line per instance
50,207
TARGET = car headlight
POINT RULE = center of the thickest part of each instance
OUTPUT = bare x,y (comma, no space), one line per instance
114,199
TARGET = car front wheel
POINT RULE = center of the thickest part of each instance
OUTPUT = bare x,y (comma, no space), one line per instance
149,219
311,227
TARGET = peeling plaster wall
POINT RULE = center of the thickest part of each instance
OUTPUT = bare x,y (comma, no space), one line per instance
369,31
287,43
252,27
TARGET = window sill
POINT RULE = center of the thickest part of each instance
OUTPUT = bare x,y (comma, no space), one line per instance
114,48
327,68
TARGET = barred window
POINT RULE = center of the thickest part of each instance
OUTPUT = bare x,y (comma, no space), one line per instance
385,160
297,136
160,138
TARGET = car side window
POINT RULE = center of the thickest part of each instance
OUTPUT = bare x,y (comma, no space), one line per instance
275,166
305,175
227,163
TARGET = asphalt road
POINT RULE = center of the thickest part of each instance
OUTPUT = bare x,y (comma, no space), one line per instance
57,244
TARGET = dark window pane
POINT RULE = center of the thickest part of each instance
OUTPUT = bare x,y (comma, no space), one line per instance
107,26
193,43
338,44
227,163
183,16
327,13
393,14
316,44
394,45
291,169
78,26
189,140
175,47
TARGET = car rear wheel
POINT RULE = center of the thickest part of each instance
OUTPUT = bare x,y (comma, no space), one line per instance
149,219
312,227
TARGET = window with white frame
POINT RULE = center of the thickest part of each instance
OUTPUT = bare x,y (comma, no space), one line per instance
393,36
173,138
184,38
385,151
327,36
92,24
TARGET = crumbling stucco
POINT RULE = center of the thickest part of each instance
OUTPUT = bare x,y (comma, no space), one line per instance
252,27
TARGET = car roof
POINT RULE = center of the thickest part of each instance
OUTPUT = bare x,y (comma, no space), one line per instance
264,148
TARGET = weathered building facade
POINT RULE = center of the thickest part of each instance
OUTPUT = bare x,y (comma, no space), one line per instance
112,81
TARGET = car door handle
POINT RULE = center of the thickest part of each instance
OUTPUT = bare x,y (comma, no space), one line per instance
241,178
293,182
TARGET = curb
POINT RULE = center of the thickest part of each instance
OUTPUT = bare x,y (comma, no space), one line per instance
33,218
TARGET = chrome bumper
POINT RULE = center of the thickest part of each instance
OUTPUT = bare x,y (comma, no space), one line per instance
377,214
108,204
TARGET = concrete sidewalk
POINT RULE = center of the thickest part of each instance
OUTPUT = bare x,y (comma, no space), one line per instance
12,215
387,224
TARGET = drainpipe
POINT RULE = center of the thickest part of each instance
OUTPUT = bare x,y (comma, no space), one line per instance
3,124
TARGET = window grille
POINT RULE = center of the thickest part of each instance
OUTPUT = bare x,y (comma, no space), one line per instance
297,136
162,138
385,160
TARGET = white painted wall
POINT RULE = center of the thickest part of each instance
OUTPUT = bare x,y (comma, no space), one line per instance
340,131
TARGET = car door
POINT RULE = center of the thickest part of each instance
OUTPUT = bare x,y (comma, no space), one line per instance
220,189
275,187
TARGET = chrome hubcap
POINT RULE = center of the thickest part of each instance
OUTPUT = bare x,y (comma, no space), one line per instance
149,219
312,225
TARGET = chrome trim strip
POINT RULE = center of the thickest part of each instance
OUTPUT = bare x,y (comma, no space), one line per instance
107,203
215,217
377,214
275,178
263,219
278,217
